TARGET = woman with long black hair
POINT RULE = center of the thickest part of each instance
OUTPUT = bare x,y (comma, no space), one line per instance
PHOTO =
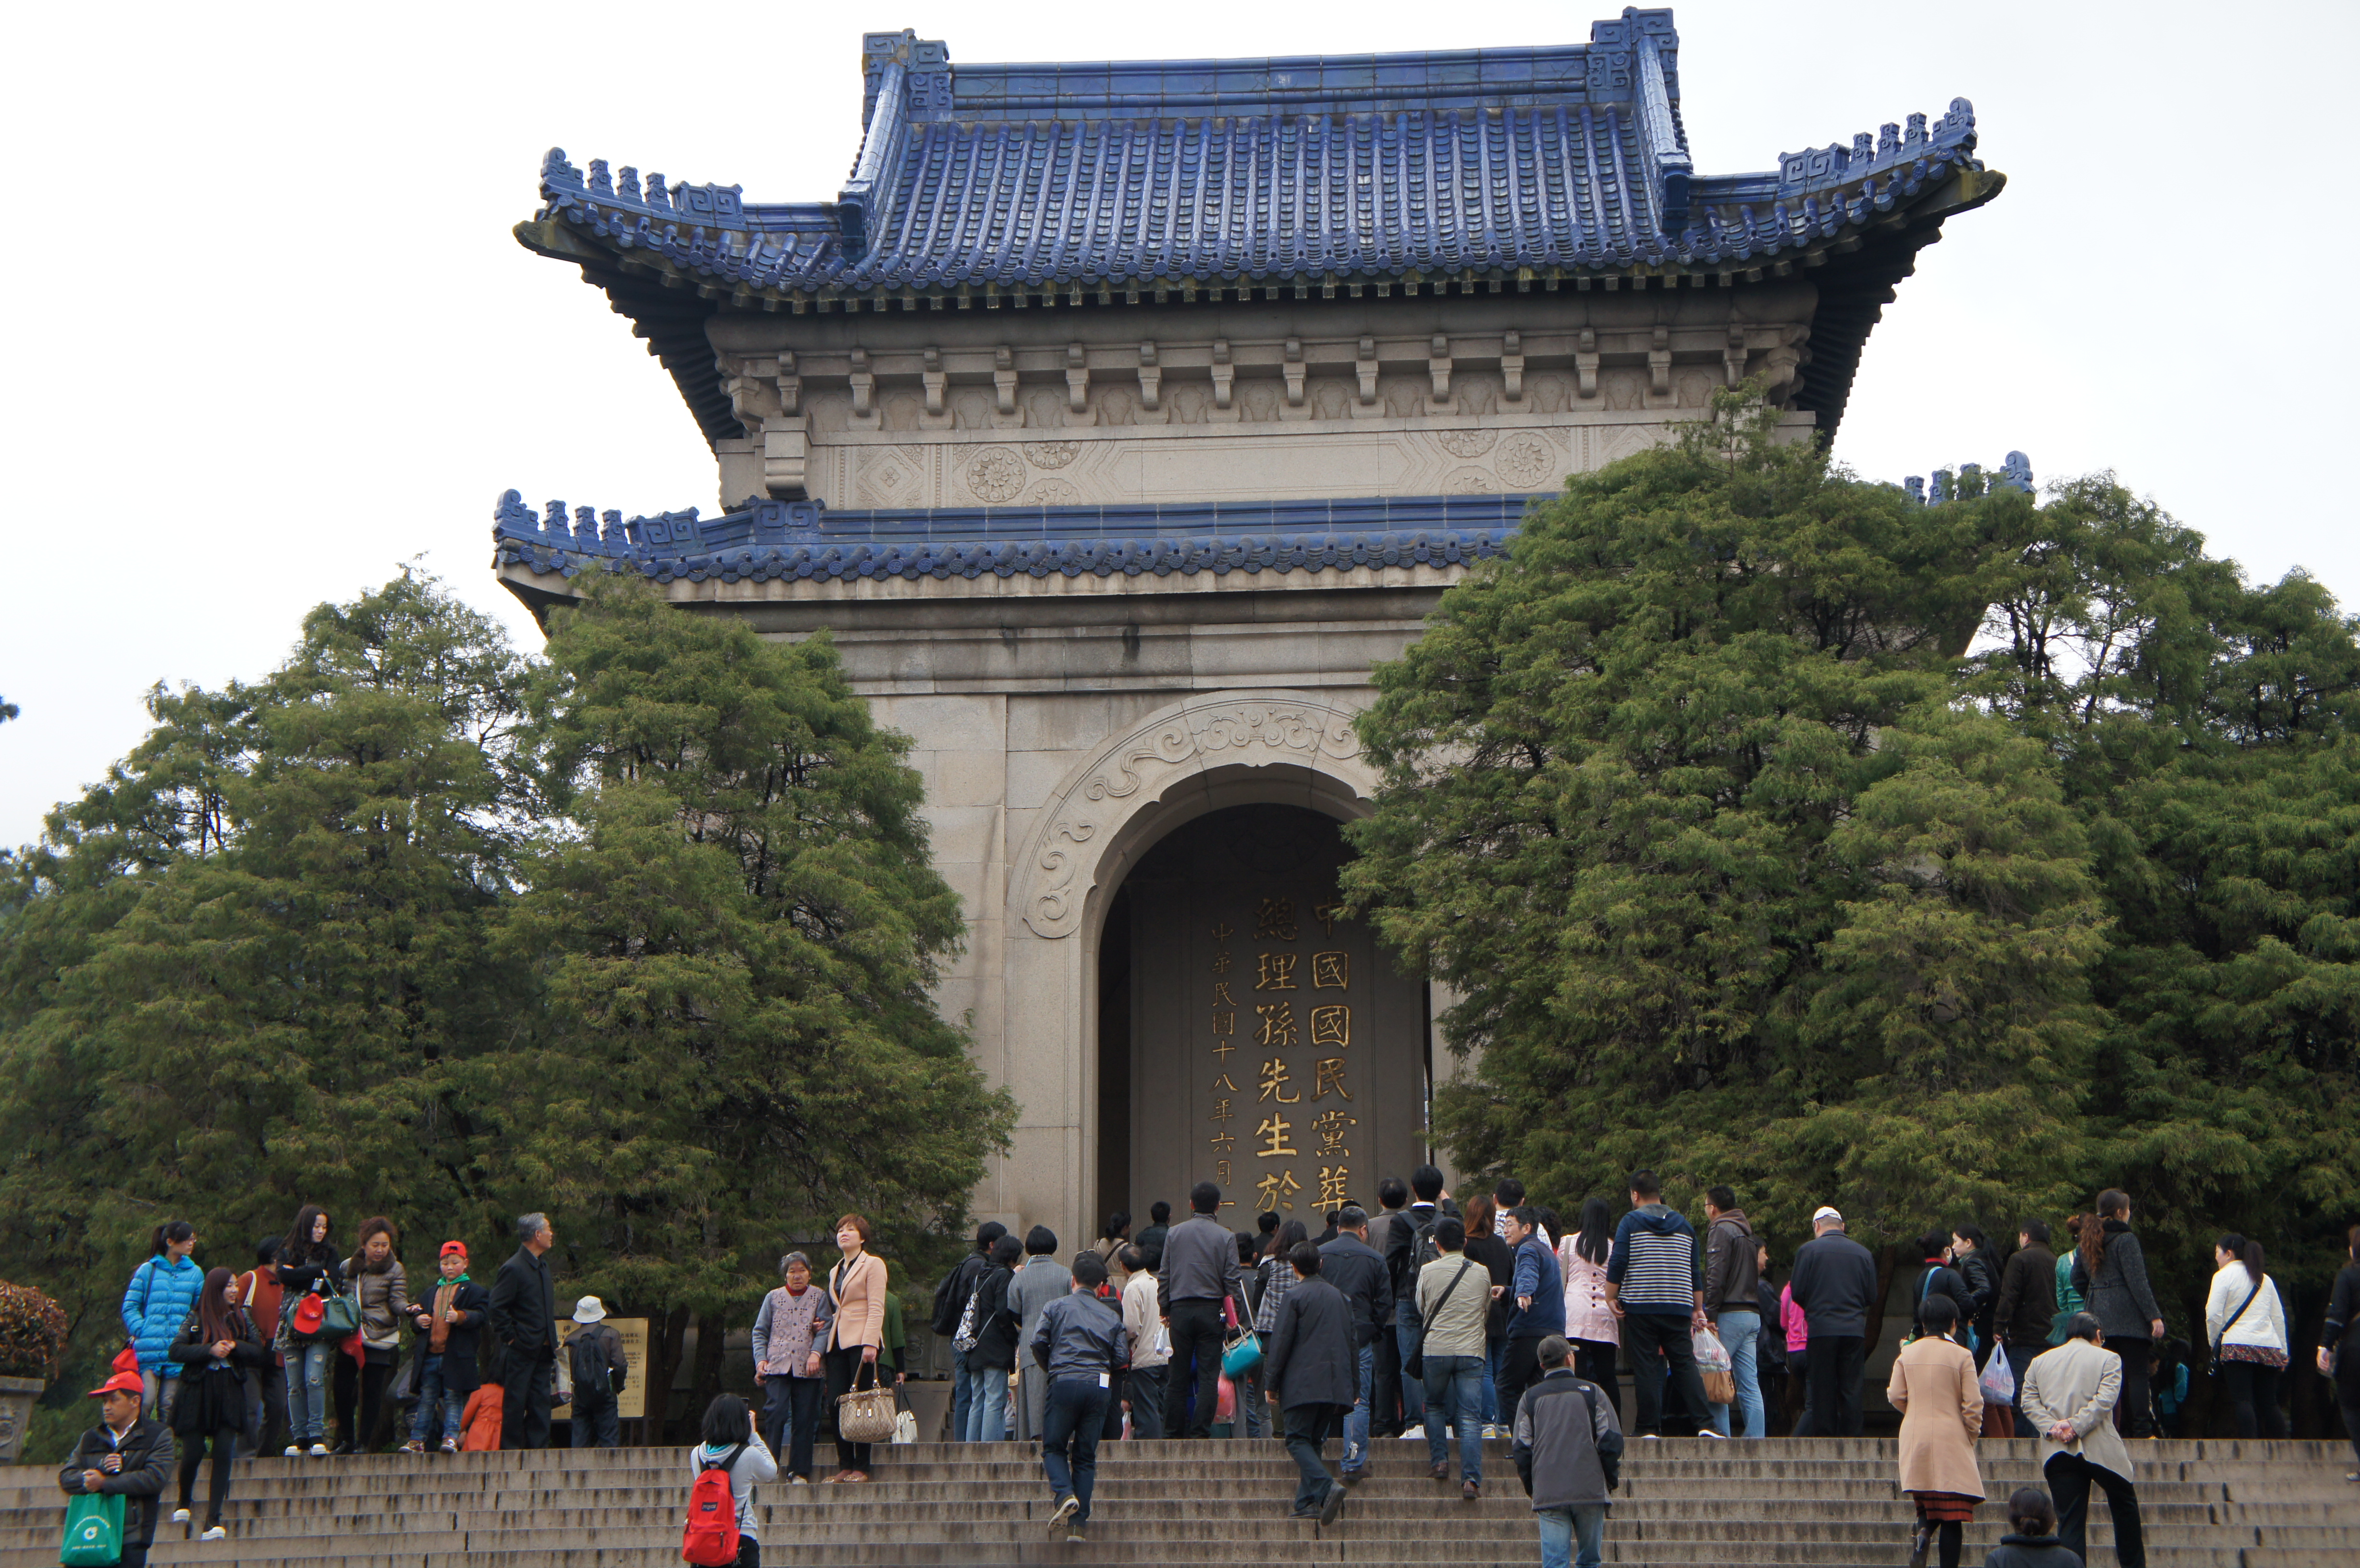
215,1349
2245,1322
1589,1320
384,1292
308,1266
155,1304
2110,1269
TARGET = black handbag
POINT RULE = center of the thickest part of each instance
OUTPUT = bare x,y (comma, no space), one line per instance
1414,1366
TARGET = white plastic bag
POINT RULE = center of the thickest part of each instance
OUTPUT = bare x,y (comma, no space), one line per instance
1998,1379
1712,1355
905,1427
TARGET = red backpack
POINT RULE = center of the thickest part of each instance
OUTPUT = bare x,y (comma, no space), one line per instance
710,1540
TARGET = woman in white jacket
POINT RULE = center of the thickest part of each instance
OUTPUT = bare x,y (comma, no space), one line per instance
2246,1324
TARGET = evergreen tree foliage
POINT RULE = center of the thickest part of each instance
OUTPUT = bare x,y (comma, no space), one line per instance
1937,863
640,935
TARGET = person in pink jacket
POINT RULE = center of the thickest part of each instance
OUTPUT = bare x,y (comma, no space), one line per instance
1589,1320
1798,1339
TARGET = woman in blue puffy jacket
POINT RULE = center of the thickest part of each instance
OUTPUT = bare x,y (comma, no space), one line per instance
162,1293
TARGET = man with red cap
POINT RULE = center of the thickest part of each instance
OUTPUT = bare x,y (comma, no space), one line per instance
124,1456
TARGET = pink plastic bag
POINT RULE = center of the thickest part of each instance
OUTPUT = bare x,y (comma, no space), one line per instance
1226,1407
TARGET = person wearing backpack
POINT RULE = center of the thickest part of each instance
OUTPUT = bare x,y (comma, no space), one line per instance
952,1298
594,1355
307,1266
1568,1454
449,1324
788,1334
1937,1277
125,1455
991,1359
725,1468
162,1293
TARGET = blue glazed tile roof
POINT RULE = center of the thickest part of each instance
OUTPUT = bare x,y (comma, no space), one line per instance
1553,162
791,539
786,541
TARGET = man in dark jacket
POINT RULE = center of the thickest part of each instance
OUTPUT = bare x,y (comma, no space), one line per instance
1354,1268
1081,1347
1568,1445
1150,1241
124,1456
1387,1387
523,1314
951,1298
1311,1375
1834,1283
1200,1269
1731,1304
1409,1246
2028,1306
1536,1306
1653,1286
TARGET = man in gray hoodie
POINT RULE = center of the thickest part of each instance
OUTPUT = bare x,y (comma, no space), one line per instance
1568,1450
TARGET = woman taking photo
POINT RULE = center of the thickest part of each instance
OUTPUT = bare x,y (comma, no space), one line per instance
307,1266
2245,1322
730,1440
1588,1321
384,1292
2110,1269
1942,1409
215,1350
155,1304
857,1287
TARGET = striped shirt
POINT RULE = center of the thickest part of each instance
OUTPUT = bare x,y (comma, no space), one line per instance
1655,1261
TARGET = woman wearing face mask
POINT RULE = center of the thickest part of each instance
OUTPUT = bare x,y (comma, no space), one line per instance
384,1293
856,1287
788,1334
448,1322
155,1304
308,1266
216,1347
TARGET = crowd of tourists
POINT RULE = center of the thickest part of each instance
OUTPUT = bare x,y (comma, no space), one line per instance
1425,1321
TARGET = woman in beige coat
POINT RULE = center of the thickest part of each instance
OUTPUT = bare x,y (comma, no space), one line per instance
1941,1411
856,1285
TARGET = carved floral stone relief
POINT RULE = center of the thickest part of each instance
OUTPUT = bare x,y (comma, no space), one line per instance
1130,772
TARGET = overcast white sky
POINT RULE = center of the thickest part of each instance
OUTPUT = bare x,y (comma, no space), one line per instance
273,337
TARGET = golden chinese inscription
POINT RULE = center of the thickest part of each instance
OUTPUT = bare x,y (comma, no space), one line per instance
1330,1071
1277,972
1274,919
1221,962
1331,1026
1274,1128
1331,1184
1274,1083
1330,1127
1277,1024
1331,971
1277,1187
1328,915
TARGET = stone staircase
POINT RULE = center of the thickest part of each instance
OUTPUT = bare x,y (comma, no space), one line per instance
2209,1504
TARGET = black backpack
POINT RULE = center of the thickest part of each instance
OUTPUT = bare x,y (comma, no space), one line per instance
593,1374
952,1295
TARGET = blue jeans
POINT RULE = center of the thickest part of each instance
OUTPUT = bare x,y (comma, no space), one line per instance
1563,1528
1070,1422
432,1391
987,1405
2019,1356
1453,1393
307,1392
1491,1352
960,1395
1413,1391
1356,1425
1738,1332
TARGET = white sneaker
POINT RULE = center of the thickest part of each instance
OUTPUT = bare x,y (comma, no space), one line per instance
180,1515
216,1533
799,1481
1415,1434
294,1451
319,1451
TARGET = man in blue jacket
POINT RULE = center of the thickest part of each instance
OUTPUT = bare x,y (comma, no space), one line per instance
1653,1286
1536,1308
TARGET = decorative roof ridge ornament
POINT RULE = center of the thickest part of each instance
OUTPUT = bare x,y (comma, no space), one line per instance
1969,481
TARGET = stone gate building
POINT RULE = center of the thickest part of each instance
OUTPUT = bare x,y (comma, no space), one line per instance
1116,419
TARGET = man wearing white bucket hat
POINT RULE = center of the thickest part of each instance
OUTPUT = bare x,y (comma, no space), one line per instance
1834,1283
594,1355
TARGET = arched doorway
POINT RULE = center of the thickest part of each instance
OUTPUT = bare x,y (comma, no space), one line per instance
1248,1033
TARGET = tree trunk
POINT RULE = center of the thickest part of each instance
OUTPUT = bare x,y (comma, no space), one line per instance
712,1338
671,1331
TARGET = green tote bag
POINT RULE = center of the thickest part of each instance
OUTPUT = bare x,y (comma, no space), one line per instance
93,1531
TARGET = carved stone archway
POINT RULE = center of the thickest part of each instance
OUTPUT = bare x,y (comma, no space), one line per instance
1088,831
